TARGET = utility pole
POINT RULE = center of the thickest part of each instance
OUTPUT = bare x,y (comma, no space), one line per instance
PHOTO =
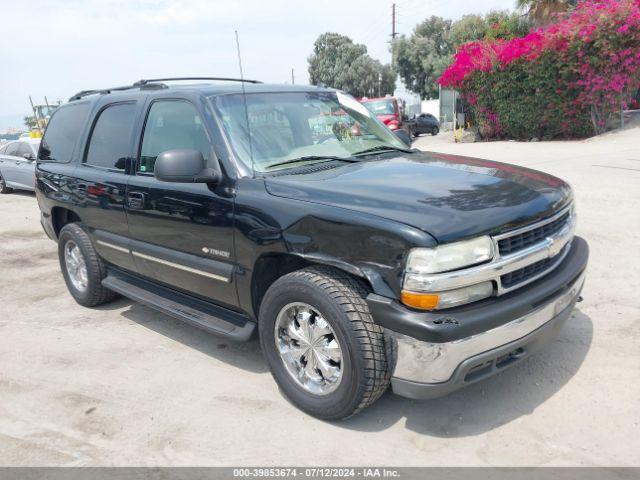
394,34
393,22
293,78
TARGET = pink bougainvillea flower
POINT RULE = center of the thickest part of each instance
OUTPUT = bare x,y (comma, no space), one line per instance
591,57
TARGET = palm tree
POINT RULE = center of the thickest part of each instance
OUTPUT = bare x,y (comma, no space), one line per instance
542,12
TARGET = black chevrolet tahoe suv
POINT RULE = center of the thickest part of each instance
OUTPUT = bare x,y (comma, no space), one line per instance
292,213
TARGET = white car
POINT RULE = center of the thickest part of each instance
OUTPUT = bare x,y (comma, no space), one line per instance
17,164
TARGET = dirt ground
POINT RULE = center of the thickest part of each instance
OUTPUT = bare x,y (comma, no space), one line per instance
123,385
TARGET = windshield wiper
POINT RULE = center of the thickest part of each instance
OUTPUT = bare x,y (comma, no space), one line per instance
382,148
308,158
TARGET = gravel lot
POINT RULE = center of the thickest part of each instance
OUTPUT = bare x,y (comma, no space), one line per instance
123,385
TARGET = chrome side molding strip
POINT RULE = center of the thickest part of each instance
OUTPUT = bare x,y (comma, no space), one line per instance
163,262
112,246
180,267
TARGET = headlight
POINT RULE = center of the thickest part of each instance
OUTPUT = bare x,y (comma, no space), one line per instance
423,262
453,256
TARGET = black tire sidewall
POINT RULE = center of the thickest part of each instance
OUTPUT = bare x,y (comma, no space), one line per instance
3,186
346,397
435,131
74,234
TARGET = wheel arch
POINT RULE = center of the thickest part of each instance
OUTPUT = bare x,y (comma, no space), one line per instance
269,267
61,216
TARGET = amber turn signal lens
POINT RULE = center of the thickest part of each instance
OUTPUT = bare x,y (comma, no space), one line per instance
423,301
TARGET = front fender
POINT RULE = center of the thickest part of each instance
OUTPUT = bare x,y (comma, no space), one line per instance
363,245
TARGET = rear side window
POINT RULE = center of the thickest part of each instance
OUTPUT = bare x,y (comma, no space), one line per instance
62,132
3,148
170,125
110,141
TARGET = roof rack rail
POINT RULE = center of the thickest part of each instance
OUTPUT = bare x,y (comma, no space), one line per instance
100,91
170,79
153,84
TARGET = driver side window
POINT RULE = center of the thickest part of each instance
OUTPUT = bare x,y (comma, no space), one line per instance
171,125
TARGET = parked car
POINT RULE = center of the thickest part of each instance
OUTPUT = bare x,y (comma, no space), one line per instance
423,123
17,164
387,109
358,262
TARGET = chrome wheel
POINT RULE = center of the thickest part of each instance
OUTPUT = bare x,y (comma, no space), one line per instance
76,266
308,348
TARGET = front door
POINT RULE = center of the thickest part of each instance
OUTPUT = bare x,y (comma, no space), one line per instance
181,233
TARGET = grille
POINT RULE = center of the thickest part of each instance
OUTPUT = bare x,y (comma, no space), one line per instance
518,276
531,237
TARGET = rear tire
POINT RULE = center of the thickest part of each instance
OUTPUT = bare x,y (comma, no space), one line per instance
435,131
337,299
82,268
3,186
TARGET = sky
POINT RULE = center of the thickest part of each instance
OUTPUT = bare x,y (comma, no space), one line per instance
56,48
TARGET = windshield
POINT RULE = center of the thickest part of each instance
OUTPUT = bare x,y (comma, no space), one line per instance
381,107
289,126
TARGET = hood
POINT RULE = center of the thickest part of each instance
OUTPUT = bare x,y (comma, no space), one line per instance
448,196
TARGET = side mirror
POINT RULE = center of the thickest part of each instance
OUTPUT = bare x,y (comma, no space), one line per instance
28,156
403,136
184,166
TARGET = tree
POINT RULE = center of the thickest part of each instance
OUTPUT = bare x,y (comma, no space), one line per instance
542,12
30,122
494,25
421,58
339,63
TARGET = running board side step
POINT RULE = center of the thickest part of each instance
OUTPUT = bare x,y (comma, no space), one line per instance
196,312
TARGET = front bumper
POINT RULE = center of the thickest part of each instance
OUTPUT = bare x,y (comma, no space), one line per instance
432,354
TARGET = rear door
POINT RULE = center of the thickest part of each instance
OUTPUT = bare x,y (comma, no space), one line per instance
25,166
181,233
101,180
9,164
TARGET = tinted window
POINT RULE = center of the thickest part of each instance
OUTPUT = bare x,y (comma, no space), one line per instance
111,137
62,132
171,125
12,148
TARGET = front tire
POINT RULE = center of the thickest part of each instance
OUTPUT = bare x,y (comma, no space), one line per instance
82,268
323,348
435,131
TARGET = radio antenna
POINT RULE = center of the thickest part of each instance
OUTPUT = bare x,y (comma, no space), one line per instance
246,109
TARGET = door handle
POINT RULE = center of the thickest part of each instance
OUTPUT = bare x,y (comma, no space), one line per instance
136,200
